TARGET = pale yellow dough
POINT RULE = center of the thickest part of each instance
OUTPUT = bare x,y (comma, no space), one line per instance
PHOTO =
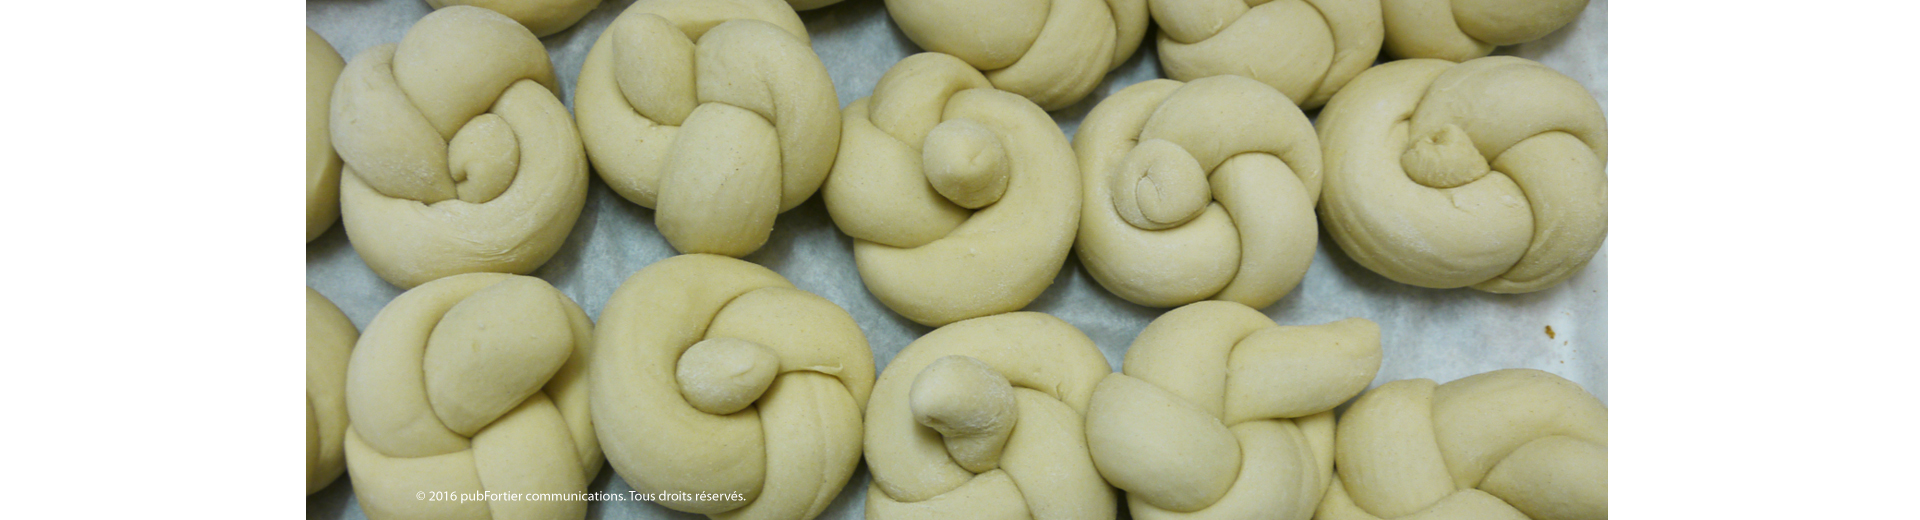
715,375
1489,173
1053,52
1509,444
962,200
1460,30
473,383
1307,49
330,338
716,113
543,17
323,165
982,419
1220,413
1198,190
459,157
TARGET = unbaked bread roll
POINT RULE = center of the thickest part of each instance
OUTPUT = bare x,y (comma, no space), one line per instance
323,165
330,338
982,419
1307,49
715,375
1510,444
1198,190
1222,414
1460,30
472,384
1053,52
962,200
543,17
1489,173
716,113
459,158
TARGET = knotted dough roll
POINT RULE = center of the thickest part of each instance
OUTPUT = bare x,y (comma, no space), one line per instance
1509,444
1489,173
962,200
1307,49
1460,30
716,113
1222,414
982,419
1053,52
543,17
459,157
323,164
330,338
715,375
472,384
1198,190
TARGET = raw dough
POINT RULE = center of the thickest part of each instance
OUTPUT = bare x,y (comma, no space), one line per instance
473,383
982,419
543,17
323,165
1460,30
459,158
1509,444
1223,414
963,200
1198,190
715,375
1489,173
716,113
1307,49
803,5
1053,52
330,338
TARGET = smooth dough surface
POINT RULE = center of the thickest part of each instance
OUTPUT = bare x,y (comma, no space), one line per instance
716,113
323,165
1508,444
1489,173
459,158
468,384
962,200
983,419
715,375
1307,49
1220,413
1201,190
1053,52
1461,30
543,17
330,338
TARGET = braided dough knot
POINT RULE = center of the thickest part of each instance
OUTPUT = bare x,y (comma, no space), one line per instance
1198,190
1307,49
1460,30
458,156
716,375
1053,52
962,199
716,113
983,419
1509,444
1489,173
472,383
1221,413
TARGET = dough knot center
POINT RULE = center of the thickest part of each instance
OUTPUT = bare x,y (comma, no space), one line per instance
971,406
483,158
1446,159
966,163
724,375
1159,186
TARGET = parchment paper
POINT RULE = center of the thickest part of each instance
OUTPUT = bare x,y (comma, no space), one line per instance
1437,334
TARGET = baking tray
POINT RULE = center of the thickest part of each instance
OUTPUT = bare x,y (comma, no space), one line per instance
1436,334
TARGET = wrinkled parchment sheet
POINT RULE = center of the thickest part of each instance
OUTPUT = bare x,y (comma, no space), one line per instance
1437,334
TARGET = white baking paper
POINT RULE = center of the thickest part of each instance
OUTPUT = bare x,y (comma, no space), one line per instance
1436,334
